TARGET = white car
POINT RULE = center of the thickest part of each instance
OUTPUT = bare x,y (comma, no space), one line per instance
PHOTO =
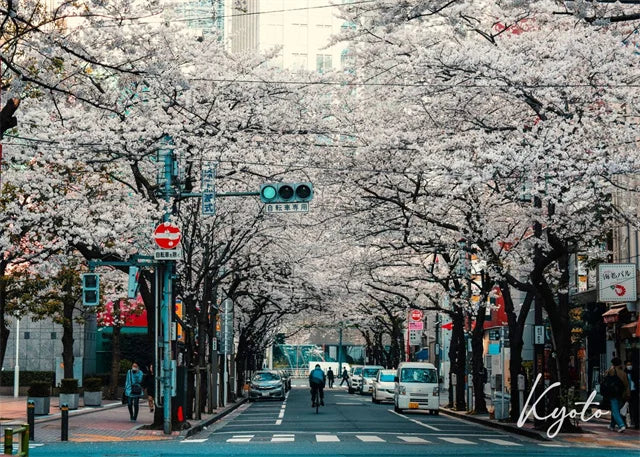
417,387
369,374
355,379
384,386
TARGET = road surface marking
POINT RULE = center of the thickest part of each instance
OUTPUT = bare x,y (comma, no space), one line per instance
283,438
500,442
33,445
327,438
550,445
200,440
354,404
370,438
413,439
431,427
279,422
240,439
456,440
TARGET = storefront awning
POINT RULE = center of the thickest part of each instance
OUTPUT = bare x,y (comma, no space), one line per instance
613,315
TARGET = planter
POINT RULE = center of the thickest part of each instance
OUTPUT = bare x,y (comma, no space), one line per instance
41,405
71,400
93,398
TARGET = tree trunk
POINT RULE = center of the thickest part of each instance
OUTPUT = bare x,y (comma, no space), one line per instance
115,352
457,357
477,361
4,330
67,337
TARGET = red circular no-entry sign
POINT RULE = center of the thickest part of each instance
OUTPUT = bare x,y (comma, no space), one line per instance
167,235
416,315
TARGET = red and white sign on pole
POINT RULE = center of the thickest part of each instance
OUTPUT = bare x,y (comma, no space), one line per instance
415,315
167,236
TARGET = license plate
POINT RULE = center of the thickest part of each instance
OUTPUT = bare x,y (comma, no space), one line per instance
413,405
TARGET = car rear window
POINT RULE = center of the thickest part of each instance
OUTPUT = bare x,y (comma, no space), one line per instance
266,377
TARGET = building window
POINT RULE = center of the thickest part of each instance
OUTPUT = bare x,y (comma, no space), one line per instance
27,335
323,63
299,61
53,335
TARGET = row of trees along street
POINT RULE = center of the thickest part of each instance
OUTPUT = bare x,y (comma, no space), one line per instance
458,130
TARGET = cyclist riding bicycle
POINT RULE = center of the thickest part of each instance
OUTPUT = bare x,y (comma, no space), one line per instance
317,382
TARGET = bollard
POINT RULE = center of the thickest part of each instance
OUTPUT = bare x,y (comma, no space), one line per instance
24,441
64,429
31,418
8,441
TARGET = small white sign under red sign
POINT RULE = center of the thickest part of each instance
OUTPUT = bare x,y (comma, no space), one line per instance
416,315
167,235
416,325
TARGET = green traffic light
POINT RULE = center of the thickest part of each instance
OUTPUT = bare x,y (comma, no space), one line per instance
268,192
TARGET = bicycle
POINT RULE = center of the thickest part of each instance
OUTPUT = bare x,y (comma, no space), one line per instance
315,400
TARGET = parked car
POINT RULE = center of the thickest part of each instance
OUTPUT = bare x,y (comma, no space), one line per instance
369,374
355,379
384,386
266,384
417,387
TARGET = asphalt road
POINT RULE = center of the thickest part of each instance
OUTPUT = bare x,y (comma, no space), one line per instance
349,425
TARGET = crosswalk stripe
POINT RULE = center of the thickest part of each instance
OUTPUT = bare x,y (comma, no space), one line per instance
327,438
370,438
240,438
201,440
282,439
413,439
500,442
456,440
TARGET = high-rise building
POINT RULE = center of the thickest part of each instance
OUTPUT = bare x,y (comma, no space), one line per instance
301,28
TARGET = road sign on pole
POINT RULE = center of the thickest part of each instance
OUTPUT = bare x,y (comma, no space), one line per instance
416,325
271,208
167,235
416,315
209,173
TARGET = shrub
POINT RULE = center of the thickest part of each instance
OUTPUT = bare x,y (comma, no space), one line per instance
92,384
39,389
69,386
27,378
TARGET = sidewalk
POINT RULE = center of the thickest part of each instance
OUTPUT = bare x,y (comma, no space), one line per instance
107,423
594,433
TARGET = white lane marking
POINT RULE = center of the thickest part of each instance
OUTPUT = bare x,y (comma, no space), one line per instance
370,438
327,438
456,440
240,438
413,439
281,415
32,445
356,404
279,422
283,438
200,440
500,442
550,445
431,427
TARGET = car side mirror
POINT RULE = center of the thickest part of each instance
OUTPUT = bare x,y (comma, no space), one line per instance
395,379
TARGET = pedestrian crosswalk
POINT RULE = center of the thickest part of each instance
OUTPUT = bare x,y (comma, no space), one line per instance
497,440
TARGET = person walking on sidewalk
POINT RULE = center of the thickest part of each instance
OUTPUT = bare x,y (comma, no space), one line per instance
633,376
149,384
330,377
615,388
345,377
133,390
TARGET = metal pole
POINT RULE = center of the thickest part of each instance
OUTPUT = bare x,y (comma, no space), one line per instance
64,429
16,370
156,303
31,418
340,351
502,371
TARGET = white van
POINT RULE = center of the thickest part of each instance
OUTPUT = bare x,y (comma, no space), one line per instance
416,387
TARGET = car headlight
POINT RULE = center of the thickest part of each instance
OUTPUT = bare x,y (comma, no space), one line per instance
402,390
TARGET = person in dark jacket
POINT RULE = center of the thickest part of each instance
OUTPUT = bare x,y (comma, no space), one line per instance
633,376
330,377
133,390
618,399
345,377
317,381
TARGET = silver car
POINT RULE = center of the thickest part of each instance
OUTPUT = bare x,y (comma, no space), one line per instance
369,375
266,384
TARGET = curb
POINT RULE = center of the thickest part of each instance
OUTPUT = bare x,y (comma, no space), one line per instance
198,428
499,425
72,413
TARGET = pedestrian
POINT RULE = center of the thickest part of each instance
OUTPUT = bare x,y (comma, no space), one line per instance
133,390
615,388
633,376
330,377
345,377
149,383
317,380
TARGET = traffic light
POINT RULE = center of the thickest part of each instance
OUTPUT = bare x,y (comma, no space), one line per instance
286,192
7,118
134,276
90,289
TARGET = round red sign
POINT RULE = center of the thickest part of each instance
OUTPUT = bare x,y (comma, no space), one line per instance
416,315
167,235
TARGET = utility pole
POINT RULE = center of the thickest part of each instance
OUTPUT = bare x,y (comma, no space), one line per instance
537,306
340,349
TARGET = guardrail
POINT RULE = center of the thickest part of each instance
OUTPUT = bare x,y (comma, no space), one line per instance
23,450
